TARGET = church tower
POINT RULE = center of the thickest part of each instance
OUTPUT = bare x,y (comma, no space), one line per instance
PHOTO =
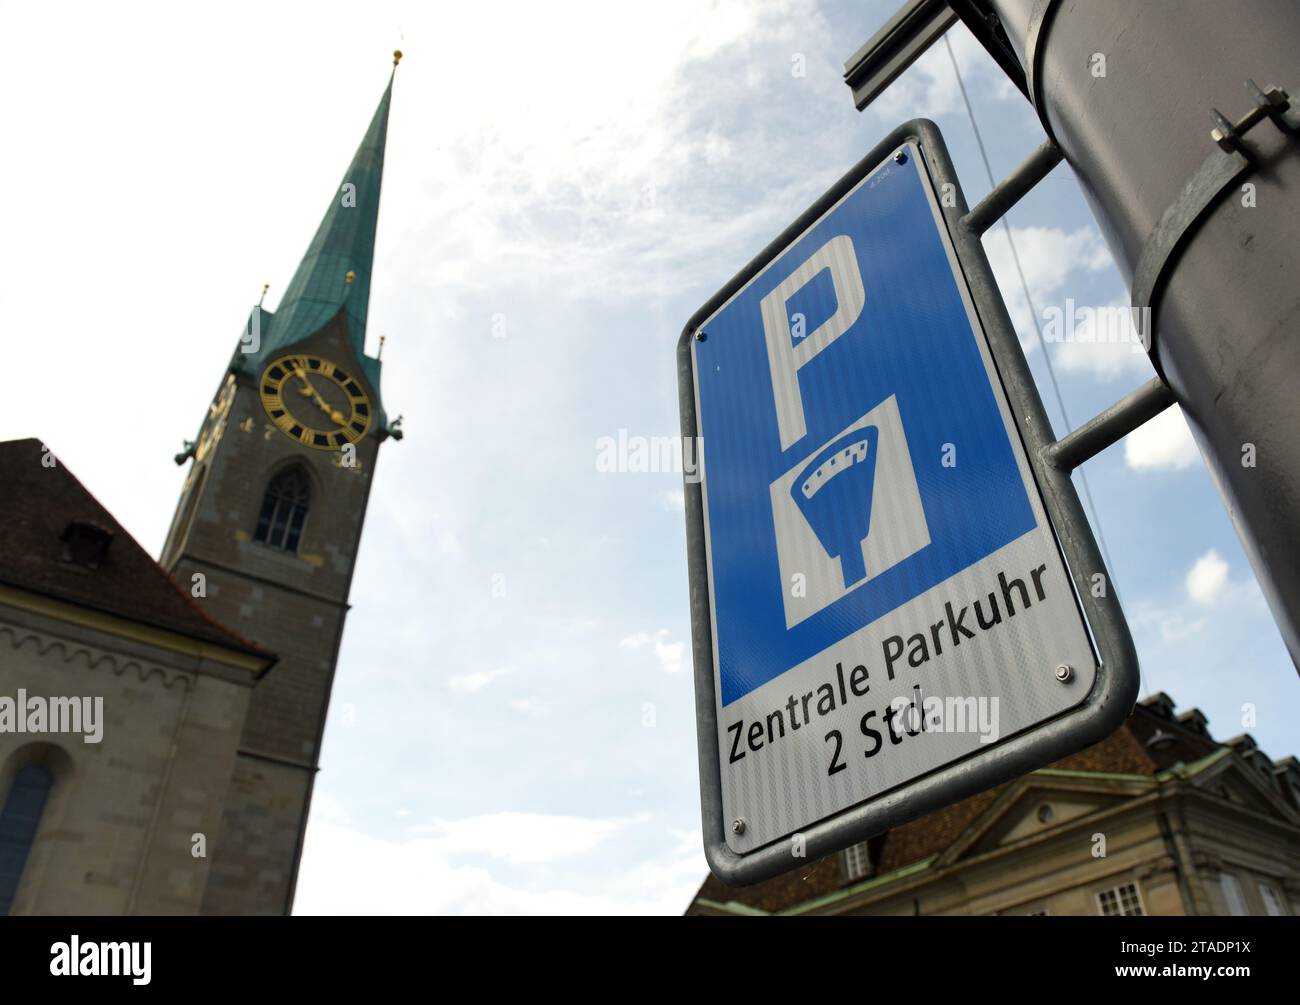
268,525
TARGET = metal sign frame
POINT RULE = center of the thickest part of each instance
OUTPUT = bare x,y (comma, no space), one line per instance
1115,686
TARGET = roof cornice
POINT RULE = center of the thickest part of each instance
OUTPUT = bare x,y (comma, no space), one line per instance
135,631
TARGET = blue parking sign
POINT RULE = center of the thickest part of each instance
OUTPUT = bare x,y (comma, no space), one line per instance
879,593
840,365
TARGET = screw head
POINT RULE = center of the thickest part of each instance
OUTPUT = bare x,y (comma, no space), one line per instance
700,336
738,825
1064,673
900,156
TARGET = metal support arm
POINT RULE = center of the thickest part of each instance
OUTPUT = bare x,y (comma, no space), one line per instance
1013,188
1110,426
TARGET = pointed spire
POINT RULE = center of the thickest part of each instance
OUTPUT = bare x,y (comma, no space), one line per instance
335,272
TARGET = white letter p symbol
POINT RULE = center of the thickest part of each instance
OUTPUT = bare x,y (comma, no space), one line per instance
785,358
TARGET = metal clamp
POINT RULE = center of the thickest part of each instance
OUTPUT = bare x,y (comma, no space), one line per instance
1229,161
1273,103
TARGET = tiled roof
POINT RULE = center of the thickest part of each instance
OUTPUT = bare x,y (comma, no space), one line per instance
38,504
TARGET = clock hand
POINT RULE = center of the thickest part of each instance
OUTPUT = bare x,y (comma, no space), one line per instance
335,415
307,389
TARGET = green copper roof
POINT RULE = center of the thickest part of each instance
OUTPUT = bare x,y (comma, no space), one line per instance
344,242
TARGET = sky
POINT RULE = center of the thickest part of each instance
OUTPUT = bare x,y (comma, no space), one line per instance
512,728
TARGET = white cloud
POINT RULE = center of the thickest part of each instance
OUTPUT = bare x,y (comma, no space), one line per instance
1176,628
1048,257
476,681
577,626
532,705
1105,360
673,500
614,168
1098,341
347,872
1182,615
520,838
1164,443
668,653
1208,579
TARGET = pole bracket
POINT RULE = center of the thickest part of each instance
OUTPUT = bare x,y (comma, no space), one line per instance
1230,159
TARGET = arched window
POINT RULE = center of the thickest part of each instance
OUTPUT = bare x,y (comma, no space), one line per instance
18,822
284,508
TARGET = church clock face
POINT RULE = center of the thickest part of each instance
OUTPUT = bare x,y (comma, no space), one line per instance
315,401
218,413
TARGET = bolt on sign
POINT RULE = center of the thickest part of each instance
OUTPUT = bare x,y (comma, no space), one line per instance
888,612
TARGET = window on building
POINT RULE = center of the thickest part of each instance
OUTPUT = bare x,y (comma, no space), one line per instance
18,821
857,862
284,508
1120,901
1232,894
1272,900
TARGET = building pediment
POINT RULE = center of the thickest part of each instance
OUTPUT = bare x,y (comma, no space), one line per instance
1230,777
1040,803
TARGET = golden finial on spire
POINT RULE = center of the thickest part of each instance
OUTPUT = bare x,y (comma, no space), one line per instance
397,56
265,287
350,277
382,340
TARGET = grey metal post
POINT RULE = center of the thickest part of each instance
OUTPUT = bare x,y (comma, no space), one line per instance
1127,91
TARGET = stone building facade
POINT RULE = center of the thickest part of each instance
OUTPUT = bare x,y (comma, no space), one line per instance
109,822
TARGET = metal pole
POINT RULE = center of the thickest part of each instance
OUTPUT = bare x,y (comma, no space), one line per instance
1128,92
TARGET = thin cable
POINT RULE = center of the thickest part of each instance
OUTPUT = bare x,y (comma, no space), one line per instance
1033,311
